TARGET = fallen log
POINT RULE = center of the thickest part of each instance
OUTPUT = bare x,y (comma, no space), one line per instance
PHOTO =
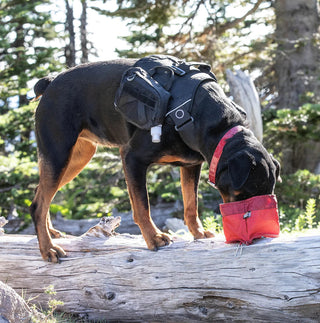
118,278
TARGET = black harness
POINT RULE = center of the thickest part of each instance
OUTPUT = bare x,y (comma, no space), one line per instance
161,86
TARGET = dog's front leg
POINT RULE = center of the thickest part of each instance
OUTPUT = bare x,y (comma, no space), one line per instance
135,172
189,186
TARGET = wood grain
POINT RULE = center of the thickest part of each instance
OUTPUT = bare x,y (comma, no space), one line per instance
273,280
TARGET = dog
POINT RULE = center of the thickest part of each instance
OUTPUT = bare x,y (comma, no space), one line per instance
76,113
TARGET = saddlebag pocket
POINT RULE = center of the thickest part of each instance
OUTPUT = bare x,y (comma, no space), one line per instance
141,99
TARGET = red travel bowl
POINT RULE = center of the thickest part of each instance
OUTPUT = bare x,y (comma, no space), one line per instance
250,219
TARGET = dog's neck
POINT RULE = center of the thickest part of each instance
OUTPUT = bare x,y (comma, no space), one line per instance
214,114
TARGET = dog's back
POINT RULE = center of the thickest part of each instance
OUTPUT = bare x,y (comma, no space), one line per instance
84,94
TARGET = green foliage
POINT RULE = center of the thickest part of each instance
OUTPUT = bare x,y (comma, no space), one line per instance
310,213
18,178
52,303
211,221
96,190
24,50
292,126
15,128
291,136
164,184
306,220
101,186
18,166
220,32
296,192
49,315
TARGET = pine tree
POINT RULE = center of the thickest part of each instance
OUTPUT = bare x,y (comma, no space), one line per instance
25,54
24,51
203,30
297,72
298,51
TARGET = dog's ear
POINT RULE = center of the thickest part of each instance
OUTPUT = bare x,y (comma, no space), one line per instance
278,167
239,168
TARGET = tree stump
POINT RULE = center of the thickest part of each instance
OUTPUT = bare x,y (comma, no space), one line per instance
245,94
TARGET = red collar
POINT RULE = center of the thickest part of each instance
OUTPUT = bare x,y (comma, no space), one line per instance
218,152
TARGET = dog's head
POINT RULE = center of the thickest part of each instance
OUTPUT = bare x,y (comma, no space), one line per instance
246,169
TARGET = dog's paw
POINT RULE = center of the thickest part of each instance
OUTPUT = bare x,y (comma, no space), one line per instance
53,254
203,234
208,234
56,233
158,240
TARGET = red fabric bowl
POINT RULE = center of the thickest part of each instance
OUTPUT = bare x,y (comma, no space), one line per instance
250,219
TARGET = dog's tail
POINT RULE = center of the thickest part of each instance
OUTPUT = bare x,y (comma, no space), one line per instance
41,86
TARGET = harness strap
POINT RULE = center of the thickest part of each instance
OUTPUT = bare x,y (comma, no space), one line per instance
180,115
218,152
182,97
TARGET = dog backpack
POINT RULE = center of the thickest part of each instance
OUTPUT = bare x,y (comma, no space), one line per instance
160,86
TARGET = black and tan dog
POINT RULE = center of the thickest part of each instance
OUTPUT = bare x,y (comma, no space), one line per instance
76,114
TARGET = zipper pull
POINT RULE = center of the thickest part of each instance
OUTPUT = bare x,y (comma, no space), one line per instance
247,215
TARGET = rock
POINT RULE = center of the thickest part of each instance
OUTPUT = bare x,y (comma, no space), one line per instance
175,225
13,308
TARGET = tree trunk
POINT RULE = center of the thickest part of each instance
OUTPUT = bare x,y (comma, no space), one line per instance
297,69
298,53
83,33
70,49
245,94
119,279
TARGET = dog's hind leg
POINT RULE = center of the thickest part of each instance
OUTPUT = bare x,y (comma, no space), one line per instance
40,211
189,185
81,154
135,170
53,232
49,183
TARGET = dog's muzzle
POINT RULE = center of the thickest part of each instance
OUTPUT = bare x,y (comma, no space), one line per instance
250,219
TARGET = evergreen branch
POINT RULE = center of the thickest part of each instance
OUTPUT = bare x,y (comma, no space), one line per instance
235,22
231,24
127,12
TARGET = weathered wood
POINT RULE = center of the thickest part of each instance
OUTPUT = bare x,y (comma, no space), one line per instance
118,278
245,94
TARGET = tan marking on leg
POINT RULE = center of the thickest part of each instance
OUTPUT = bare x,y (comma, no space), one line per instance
189,187
53,232
80,155
141,215
45,192
169,159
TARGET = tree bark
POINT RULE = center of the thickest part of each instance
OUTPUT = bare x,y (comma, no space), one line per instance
83,33
297,71
119,279
70,49
298,54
